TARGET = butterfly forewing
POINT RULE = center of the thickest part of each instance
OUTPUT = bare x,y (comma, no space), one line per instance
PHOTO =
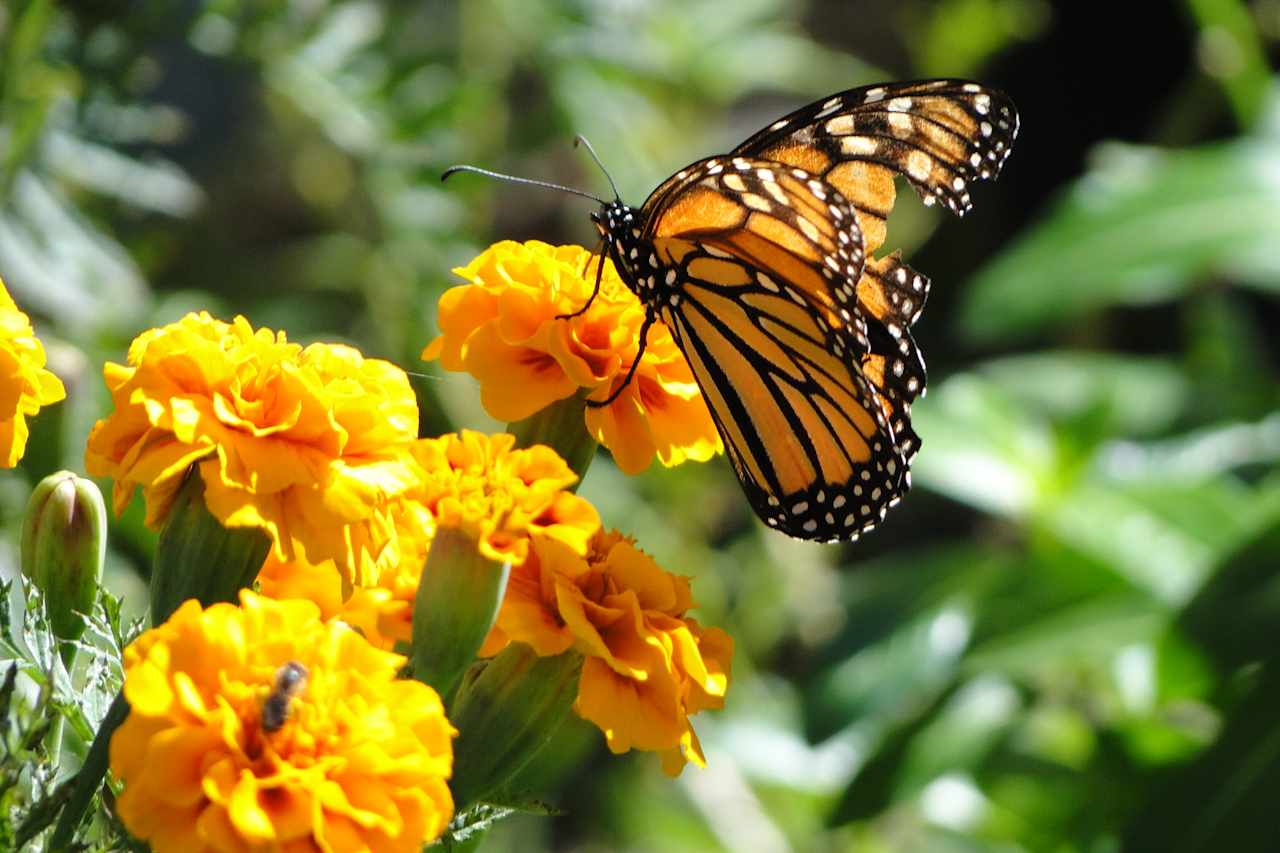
777,219
941,134
806,432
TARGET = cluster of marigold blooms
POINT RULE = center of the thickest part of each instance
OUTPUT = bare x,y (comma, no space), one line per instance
317,449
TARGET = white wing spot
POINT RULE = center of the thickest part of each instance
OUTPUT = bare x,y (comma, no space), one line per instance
840,125
856,145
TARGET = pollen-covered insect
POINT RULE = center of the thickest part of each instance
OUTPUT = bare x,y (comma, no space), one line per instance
290,681
761,263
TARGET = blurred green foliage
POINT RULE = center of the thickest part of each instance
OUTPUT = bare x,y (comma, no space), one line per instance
1066,636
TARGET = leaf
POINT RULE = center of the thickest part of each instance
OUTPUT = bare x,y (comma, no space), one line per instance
1134,395
1162,535
1225,800
874,788
1142,226
981,448
1235,616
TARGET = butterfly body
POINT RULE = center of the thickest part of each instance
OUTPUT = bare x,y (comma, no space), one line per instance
760,262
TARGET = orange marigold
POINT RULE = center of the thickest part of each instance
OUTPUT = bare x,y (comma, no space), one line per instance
502,328
349,758
648,667
309,445
25,385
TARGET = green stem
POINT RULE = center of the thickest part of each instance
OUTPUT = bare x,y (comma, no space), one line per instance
89,779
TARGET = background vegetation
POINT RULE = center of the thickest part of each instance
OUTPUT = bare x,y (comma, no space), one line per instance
1066,638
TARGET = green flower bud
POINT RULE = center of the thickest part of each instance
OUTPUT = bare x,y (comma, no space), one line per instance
196,557
64,546
507,710
456,604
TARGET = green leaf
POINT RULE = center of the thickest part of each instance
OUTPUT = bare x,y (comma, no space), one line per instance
1235,616
1134,395
1225,800
875,786
982,448
1143,225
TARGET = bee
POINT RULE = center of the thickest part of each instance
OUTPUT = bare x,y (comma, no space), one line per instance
290,681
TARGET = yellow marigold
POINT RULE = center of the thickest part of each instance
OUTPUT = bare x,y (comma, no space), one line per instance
309,445
648,666
384,611
501,495
25,385
349,758
501,328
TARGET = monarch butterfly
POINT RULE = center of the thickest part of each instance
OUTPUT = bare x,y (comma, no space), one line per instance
760,262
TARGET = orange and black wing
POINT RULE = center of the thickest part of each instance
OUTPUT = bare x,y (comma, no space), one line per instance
762,258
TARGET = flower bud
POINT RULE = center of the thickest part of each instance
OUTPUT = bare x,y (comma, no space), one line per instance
64,546
457,602
507,710
197,557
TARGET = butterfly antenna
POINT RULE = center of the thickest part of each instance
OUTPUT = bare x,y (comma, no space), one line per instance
513,179
582,140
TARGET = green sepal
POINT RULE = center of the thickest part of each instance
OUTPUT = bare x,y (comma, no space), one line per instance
507,710
197,557
457,602
560,426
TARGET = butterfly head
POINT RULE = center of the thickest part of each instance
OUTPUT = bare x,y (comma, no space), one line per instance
615,219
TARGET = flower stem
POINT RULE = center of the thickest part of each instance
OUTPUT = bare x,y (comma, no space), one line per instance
90,776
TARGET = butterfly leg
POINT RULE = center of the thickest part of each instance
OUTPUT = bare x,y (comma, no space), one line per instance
595,291
631,372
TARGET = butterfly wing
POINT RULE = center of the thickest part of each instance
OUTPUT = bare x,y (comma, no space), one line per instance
941,134
760,259
799,337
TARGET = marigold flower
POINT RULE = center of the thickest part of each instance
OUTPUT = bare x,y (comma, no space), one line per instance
500,495
501,327
648,666
308,445
383,611
348,758
25,385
